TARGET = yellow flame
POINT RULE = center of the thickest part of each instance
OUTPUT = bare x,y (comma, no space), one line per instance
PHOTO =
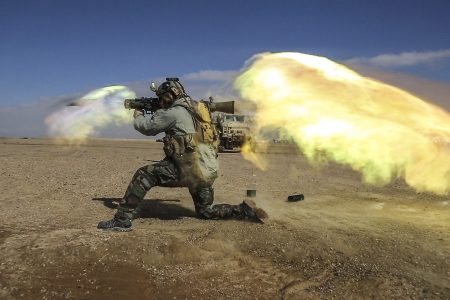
329,110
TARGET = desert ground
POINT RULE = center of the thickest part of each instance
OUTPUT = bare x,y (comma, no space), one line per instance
345,240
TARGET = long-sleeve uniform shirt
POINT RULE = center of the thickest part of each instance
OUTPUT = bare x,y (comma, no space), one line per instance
175,120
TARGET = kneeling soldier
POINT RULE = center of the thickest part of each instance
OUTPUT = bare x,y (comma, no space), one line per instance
190,146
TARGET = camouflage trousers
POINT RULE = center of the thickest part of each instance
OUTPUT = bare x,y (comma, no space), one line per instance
166,174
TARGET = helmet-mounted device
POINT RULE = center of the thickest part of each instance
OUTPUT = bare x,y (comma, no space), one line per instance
172,85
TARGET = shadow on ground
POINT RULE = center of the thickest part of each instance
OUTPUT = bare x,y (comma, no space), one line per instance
163,209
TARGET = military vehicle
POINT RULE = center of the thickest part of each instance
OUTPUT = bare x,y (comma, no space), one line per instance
234,131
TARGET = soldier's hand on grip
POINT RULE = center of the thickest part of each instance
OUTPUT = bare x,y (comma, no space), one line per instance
138,112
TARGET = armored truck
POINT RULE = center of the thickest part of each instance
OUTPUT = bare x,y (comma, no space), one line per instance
234,130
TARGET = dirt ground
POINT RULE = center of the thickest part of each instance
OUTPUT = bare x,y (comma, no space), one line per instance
346,240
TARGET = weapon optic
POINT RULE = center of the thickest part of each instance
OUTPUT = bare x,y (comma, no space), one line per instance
147,104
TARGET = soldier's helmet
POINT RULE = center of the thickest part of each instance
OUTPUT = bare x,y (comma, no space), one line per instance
170,86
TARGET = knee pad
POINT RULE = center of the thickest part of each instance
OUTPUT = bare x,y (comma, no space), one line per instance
145,180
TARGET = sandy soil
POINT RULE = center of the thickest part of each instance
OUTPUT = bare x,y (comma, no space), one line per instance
346,240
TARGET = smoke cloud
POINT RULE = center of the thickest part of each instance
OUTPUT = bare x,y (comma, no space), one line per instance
92,112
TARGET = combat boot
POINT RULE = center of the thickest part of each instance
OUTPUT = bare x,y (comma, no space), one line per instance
120,222
251,212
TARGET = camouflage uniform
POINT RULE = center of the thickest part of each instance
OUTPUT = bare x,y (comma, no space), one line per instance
195,167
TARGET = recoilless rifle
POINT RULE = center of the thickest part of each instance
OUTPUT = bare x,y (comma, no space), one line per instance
151,104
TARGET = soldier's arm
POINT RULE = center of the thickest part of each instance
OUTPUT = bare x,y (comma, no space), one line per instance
162,120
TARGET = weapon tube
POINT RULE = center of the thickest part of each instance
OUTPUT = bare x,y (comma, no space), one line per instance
150,105
225,107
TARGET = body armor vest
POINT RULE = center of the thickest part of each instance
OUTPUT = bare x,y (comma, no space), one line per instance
182,148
